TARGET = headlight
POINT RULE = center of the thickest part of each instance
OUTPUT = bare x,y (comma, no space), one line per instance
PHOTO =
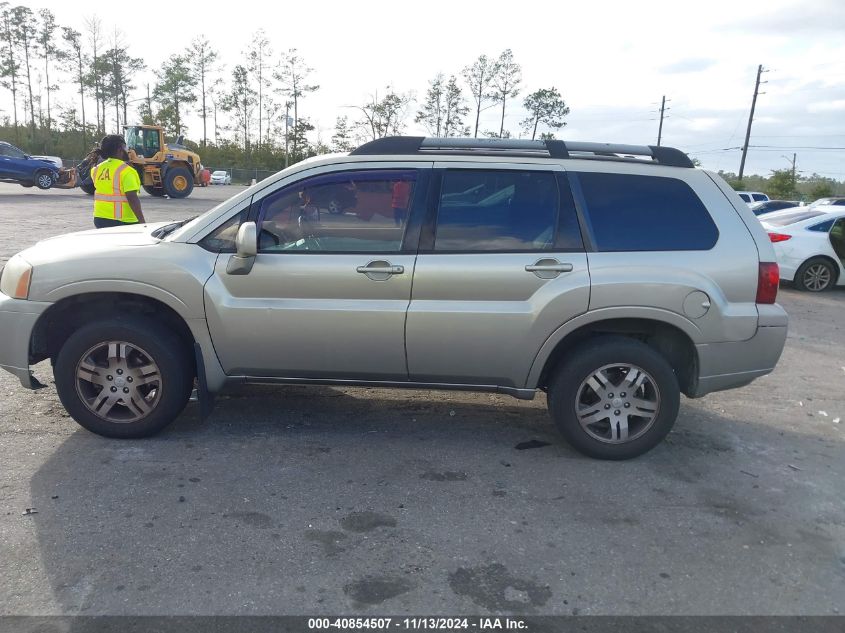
15,279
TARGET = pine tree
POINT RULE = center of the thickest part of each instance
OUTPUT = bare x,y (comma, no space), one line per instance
544,106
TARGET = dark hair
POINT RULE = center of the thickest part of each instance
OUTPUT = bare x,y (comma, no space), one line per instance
110,146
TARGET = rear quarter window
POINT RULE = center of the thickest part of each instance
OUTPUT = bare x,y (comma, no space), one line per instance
645,213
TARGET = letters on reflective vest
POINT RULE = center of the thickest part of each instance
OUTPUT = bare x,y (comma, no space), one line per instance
116,198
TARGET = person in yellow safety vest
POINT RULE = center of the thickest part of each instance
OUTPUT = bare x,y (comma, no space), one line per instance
116,186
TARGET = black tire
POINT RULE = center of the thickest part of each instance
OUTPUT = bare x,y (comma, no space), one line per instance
163,347
178,182
586,359
44,179
156,192
812,274
87,186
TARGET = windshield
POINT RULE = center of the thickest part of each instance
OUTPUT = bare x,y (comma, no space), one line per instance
219,173
792,218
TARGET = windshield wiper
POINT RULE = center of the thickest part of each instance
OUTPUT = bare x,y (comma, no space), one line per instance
167,229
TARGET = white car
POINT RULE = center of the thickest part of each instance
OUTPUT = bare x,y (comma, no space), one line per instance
221,177
809,245
750,197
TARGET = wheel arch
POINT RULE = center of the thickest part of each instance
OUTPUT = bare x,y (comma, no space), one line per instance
669,334
61,319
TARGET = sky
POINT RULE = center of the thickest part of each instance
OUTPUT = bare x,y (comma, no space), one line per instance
612,61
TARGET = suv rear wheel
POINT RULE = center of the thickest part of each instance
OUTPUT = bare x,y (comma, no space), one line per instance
614,398
124,377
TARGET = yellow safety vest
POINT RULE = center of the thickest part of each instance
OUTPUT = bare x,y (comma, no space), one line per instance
112,179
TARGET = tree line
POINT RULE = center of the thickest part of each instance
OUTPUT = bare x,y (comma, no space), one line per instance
256,109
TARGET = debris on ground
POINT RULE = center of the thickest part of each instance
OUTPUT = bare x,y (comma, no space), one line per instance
745,472
823,413
836,420
531,444
29,511
793,467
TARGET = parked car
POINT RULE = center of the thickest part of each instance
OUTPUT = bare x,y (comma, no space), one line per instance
750,197
810,246
837,202
767,206
221,177
17,166
610,282
57,161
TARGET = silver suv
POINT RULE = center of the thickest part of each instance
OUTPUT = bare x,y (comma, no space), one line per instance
612,277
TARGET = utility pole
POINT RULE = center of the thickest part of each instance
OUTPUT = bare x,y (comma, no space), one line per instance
793,161
287,118
663,108
149,104
760,71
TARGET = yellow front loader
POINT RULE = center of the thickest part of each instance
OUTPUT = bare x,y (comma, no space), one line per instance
165,169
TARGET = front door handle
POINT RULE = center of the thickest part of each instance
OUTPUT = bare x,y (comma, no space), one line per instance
548,268
380,270
387,270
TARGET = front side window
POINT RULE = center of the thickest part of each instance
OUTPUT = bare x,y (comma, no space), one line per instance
759,197
343,212
646,213
222,239
11,151
496,210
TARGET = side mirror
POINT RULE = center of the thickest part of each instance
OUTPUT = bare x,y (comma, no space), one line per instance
246,248
246,243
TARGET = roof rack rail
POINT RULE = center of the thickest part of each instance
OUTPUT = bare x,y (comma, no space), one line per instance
421,145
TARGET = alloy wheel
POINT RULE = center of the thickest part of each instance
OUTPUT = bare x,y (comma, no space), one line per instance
817,277
617,403
118,381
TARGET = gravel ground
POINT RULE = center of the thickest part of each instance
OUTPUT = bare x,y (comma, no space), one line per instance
365,501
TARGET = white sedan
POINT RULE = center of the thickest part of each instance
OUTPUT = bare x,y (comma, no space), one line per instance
809,245
221,177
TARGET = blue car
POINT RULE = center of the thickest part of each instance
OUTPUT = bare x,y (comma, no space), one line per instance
18,166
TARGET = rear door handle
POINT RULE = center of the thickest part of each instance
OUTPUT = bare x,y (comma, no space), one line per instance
549,268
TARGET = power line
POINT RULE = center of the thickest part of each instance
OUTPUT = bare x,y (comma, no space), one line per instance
780,148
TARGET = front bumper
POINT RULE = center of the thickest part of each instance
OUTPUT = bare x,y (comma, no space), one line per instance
17,320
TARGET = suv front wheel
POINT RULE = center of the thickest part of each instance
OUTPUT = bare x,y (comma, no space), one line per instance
123,377
614,398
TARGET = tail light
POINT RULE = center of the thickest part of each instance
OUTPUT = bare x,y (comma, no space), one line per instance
767,282
779,237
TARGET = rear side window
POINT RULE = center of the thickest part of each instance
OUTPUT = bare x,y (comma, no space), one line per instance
824,227
497,210
646,213
745,197
759,197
